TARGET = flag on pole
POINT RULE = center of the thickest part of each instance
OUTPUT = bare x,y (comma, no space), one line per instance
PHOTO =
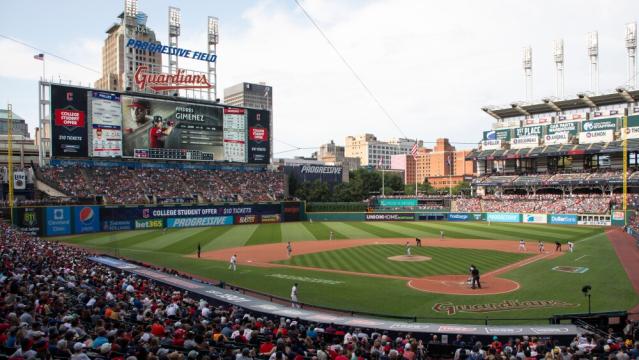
413,151
380,162
448,160
39,57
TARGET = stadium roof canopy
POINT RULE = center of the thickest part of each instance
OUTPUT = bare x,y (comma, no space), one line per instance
550,105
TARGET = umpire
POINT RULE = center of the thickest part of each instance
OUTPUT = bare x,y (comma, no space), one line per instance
474,273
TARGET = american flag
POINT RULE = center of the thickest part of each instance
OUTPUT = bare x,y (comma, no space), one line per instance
413,150
448,160
380,162
39,57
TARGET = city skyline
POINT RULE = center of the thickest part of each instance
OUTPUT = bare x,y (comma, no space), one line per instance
427,77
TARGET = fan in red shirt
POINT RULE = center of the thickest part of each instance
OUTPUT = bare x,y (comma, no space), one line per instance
158,132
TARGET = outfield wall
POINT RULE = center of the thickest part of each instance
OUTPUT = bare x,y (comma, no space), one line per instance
67,220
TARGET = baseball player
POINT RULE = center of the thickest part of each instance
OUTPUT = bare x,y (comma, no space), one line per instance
294,302
441,234
289,249
522,245
408,253
571,246
330,236
233,263
199,250
541,246
418,242
557,246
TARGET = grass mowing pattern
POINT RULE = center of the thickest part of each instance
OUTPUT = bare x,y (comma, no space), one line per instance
322,232
266,234
374,259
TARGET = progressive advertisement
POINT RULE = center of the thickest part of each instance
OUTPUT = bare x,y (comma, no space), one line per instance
503,217
199,221
68,121
106,124
560,219
58,221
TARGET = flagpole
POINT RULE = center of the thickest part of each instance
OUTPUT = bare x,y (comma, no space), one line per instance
43,72
383,194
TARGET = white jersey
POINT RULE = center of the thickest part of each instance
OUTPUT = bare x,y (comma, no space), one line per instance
233,259
294,293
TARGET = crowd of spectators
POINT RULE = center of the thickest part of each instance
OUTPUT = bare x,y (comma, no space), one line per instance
130,186
58,304
549,203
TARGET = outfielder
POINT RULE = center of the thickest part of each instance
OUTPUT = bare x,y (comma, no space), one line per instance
294,302
441,234
330,236
233,263
289,249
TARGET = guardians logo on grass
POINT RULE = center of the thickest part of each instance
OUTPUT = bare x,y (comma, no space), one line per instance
506,305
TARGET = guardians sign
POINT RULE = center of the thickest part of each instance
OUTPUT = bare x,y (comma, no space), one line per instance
506,305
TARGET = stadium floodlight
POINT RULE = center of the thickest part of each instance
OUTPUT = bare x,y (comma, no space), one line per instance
212,41
559,66
593,54
175,17
631,46
130,8
528,72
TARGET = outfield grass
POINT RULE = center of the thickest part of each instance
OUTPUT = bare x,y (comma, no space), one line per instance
374,259
611,287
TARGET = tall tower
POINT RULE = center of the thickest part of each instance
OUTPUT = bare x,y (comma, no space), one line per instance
212,41
631,45
559,66
593,54
528,72
175,18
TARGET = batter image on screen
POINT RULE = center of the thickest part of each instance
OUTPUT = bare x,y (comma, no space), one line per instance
172,125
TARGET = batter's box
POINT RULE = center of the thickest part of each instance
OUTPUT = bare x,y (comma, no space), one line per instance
571,269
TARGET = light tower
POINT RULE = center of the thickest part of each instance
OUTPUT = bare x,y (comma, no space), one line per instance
593,54
212,41
129,22
559,66
528,72
175,18
631,45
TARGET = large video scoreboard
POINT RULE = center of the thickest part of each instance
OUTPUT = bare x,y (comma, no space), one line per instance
88,123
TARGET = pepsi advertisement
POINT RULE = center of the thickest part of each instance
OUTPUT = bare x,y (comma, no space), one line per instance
69,122
86,219
259,136
58,221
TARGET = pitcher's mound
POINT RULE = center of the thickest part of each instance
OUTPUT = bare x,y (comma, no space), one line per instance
412,258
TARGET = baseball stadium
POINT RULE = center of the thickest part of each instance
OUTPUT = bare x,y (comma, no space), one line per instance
150,219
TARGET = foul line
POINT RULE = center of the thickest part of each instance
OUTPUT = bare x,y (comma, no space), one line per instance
581,257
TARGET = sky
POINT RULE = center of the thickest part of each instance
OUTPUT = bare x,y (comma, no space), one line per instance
432,65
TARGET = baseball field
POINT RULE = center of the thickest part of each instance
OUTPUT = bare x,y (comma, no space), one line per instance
366,267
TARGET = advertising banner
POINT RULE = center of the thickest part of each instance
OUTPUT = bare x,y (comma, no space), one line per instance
58,221
460,217
259,137
599,124
529,130
291,210
199,221
596,136
397,202
160,212
557,138
86,219
431,216
117,225
618,215
390,217
630,133
28,219
106,124
525,142
503,135
503,217
68,121
331,175
594,222
246,219
571,127
535,218
562,219
19,180
149,224
491,144
270,219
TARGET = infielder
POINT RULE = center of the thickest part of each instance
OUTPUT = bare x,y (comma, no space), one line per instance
557,246
571,246
408,253
289,249
330,236
233,263
541,246
294,302
522,245
441,234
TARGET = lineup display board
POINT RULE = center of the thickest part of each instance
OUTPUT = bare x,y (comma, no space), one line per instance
106,124
100,124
